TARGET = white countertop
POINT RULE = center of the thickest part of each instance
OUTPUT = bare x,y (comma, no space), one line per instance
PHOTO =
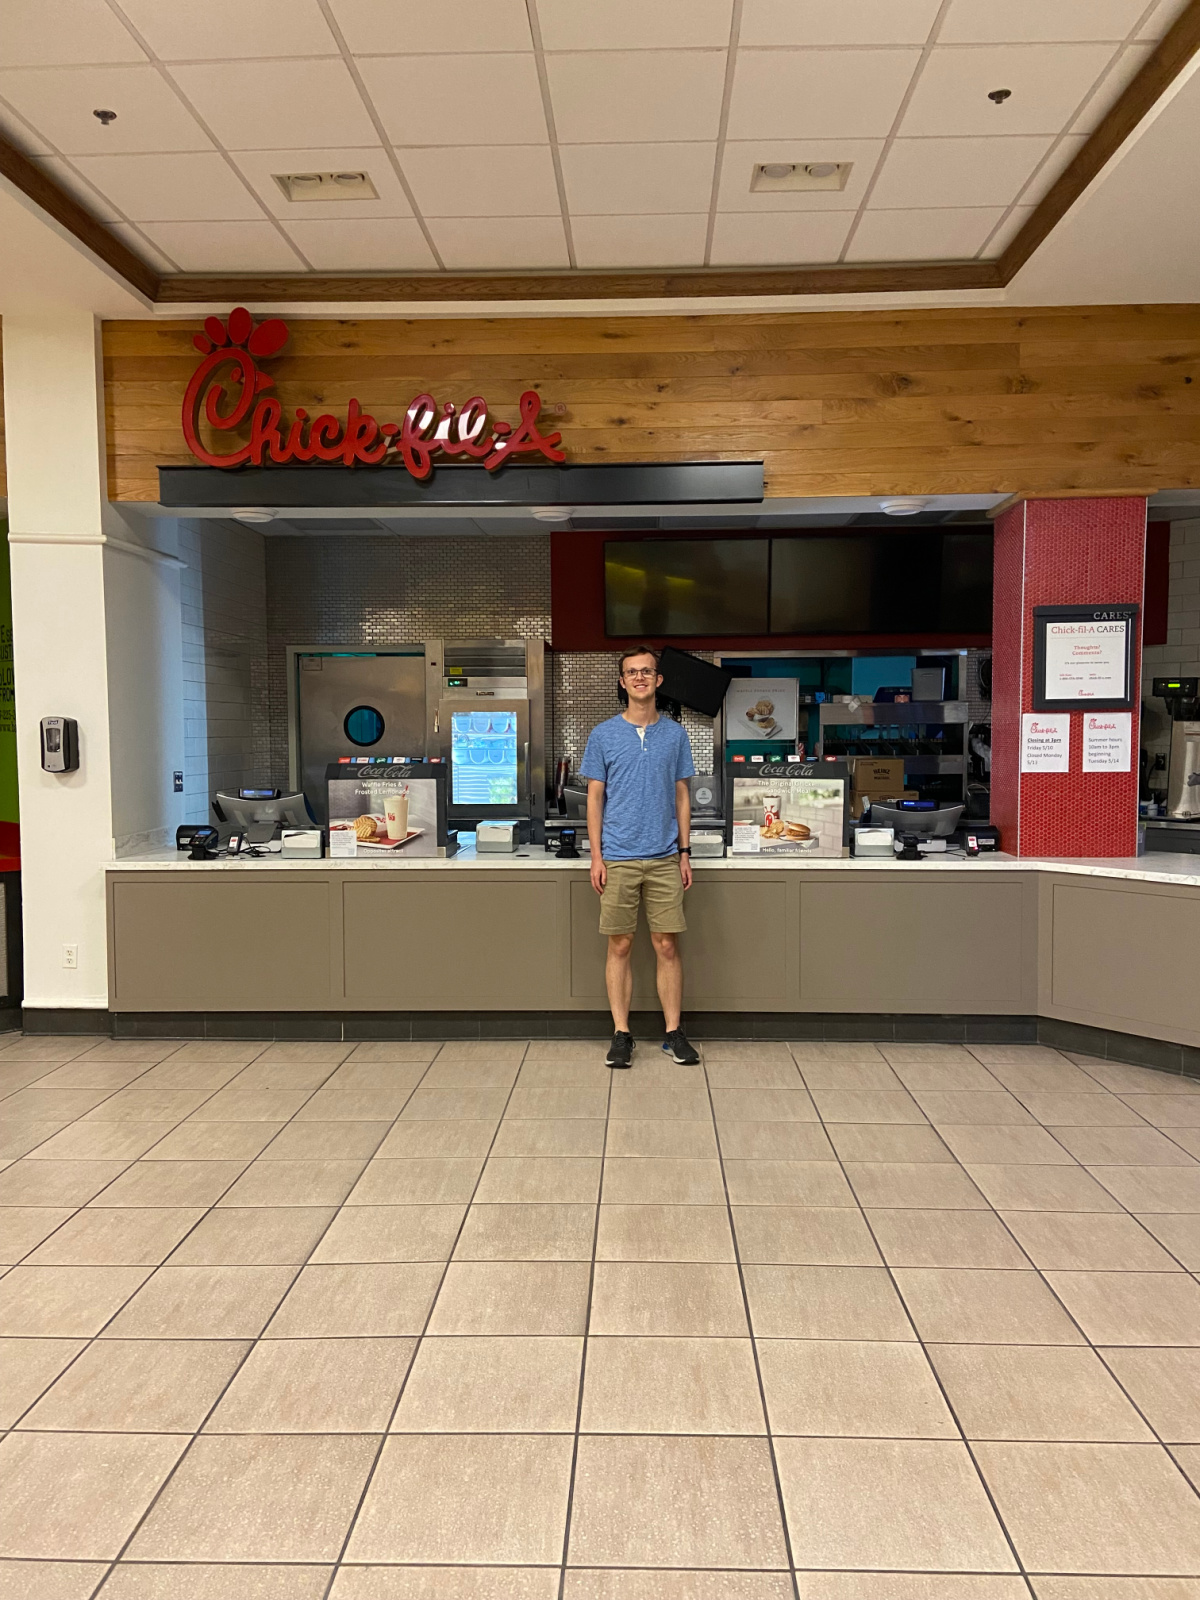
1156,867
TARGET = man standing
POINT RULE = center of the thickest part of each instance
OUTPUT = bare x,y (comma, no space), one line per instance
639,815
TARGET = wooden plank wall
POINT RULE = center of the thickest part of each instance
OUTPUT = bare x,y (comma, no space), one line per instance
837,403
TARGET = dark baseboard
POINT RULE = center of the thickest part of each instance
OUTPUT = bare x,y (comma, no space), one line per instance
1132,1048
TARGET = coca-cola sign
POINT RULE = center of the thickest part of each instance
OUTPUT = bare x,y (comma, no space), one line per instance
228,390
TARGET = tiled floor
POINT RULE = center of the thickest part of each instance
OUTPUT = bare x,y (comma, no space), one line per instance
395,1322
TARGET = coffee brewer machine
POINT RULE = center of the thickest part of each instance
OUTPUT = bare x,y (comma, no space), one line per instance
1182,697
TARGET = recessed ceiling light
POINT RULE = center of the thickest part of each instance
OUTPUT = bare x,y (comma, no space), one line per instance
326,185
252,514
775,177
999,96
907,507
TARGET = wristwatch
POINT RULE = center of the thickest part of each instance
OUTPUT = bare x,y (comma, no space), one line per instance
685,849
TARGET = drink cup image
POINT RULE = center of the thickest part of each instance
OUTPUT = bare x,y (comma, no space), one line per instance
396,812
772,807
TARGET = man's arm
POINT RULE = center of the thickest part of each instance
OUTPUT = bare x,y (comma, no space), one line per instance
595,827
683,817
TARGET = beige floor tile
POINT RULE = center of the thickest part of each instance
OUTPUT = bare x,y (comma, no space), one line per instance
903,1054
50,1105
468,1075
950,1306
212,1141
925,1184
458,1498
512,1297
267,1497
128,1236
527,1233
264,1236
1156,1308
1087,1241
235,1104
617,1584
658,1386
155,1580
441,1180
1096,1110
316,1052
664,1233
946,1077
1058,1077
391,1233
565,1071
52,1048
971,1108
1179,1231
694,1140
202,1303
945,1239
416,1053
1117,1588
1187,1138
139,1386
424,1140
763,1074
675,1502
1003,1055
674,1299
788,1302
1165,1385
170,1183
492,1385
29,1366
326,1141
787,1183
1123,1147
314,1386
1168,1110
147,1050
85,1074
469,1105
772,1141
1016,1147
1188,1457
18,1138
376,1077
880,1106
182,1072
764,1105
64,1302
147,1105
745,1050
224,1052
838,1050
856,1076
1152,1188
50,1580
1031,1188
103,1141
662,1180
870,1141
55,1183
852,1388
570,1136
1094,1507
804,1236
384,1300
22,1228
294,1183
288,1075
78,1496
539,1180
352,1105
650,1099
1035,1393
1122,1078
546,1103
890,1503
501,1052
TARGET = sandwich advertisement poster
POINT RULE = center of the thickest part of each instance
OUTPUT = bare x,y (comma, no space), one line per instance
778,813
763,708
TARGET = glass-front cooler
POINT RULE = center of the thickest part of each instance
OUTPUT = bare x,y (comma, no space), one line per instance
488,750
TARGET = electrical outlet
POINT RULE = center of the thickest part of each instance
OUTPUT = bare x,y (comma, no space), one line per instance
70,955
177,779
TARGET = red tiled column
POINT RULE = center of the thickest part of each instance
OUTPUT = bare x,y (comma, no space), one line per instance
1060,552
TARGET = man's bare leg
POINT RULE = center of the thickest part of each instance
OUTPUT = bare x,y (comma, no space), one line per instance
670,978
618,977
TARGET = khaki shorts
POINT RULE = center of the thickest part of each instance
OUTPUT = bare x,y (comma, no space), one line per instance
657,882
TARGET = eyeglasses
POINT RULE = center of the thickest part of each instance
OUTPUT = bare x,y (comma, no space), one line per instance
641,672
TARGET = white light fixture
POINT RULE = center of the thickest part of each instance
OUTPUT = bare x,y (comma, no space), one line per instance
252,514
551,513
326,185
786,177
908,507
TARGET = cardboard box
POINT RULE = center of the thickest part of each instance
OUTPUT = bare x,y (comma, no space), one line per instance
884,777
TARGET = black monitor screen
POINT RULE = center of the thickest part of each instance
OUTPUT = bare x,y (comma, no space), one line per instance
663,588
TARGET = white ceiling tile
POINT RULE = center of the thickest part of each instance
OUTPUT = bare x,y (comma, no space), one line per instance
466,181
224,246
19,134
667,241
140,245
797,94
377,27
272,105
834,22
66,177
464,99
636,96
1057,162
794,238
58,102
1047,83
1115,81
70,33
380,245
956,172
1036,21
260,167
231,30
1014,222
468,244
1163,19
172,188
949,235
634,24
741,159
638,179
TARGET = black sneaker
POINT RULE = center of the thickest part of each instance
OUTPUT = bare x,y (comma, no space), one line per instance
677,1047
620,1051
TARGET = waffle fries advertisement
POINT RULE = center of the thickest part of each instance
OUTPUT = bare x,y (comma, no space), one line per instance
777,814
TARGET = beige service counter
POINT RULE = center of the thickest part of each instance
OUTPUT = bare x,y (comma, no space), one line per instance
1108,944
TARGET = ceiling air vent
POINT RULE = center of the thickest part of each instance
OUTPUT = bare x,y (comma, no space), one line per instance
784,177
326,186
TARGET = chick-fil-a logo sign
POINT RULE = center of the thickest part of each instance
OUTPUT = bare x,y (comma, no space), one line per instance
227,388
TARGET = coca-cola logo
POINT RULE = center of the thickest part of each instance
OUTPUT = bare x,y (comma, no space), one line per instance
227,390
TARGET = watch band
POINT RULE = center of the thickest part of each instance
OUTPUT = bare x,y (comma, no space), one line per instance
685,849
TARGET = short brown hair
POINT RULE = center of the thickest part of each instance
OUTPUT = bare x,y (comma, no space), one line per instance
637,650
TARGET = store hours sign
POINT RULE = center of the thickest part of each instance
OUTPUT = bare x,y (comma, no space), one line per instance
231,393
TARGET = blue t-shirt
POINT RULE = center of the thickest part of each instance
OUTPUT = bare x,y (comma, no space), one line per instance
639,768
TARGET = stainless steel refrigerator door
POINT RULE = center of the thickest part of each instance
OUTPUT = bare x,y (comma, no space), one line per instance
1183,772
486,742
355,705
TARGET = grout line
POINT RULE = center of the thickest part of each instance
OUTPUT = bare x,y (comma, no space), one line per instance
560,183
735,30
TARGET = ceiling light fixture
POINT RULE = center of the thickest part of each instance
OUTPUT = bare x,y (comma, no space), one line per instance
551,513
253,514
999,96
775,177
105,117
907,507
326,185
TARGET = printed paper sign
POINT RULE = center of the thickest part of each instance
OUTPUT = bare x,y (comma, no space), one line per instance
1108,741
1086,660
1046,741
